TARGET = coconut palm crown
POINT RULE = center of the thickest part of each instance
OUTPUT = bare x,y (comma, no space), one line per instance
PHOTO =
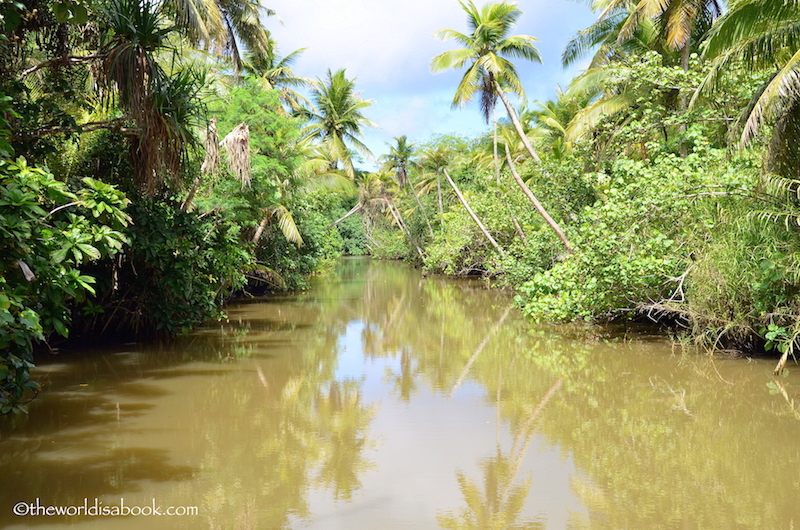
338,119
484,53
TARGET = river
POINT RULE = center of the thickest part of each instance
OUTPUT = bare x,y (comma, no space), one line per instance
381,399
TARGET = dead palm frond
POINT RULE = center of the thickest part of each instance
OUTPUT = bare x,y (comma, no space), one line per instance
237,149
211,160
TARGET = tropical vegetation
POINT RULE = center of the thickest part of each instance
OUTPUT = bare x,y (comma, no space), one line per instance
159,158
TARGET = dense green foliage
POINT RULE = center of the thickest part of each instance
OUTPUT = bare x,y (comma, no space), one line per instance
48,232
665,221
120,222
177,271
141,188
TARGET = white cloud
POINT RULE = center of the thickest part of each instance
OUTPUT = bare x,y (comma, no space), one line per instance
378,41
388,45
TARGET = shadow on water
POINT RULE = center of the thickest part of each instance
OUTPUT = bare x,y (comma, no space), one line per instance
73,446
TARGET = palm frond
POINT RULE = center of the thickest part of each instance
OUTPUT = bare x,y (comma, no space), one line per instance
237,149
587,118
287,225
780,95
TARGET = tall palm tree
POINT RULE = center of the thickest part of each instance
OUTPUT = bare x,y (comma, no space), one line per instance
399,160
677,22
338,119
489,73
604,35
435,160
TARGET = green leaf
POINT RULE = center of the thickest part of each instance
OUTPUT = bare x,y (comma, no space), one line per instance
60,254
61,12
91,252
60,328
79,14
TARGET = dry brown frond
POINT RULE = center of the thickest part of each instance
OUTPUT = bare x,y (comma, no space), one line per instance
237,147
211,160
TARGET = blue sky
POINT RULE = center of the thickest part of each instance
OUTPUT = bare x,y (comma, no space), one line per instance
387,46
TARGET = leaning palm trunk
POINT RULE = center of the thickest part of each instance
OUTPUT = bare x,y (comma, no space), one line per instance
517,125
528,193
399,219
419,204
536,204
515,222
260,230
439,192
472,213
354,210
285,223
513,217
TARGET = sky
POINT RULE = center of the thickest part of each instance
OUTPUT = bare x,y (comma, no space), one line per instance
387,45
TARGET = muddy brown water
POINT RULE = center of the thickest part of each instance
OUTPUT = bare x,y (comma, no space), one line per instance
380,399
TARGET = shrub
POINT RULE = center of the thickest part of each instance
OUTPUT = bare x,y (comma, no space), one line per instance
629,244
48,235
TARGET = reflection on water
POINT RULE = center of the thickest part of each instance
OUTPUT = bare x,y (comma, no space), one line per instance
382,399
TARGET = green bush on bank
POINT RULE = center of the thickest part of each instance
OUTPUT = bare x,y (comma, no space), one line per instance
742,286
294,263
629,244
177,271
48,234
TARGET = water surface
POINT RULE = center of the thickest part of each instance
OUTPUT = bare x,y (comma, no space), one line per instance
382,399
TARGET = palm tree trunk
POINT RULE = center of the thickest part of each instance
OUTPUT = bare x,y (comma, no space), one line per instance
684,98
686,53
439,192
355,209
528,193
517,125
399,219
187,203
472,213
421,209
260,230
517,228
536,204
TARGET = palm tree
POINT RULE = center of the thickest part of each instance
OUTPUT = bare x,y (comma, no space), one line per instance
629,24
276,73
763,35
338,119
604,35
489,73
679,20
399,159
435,160
226,26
